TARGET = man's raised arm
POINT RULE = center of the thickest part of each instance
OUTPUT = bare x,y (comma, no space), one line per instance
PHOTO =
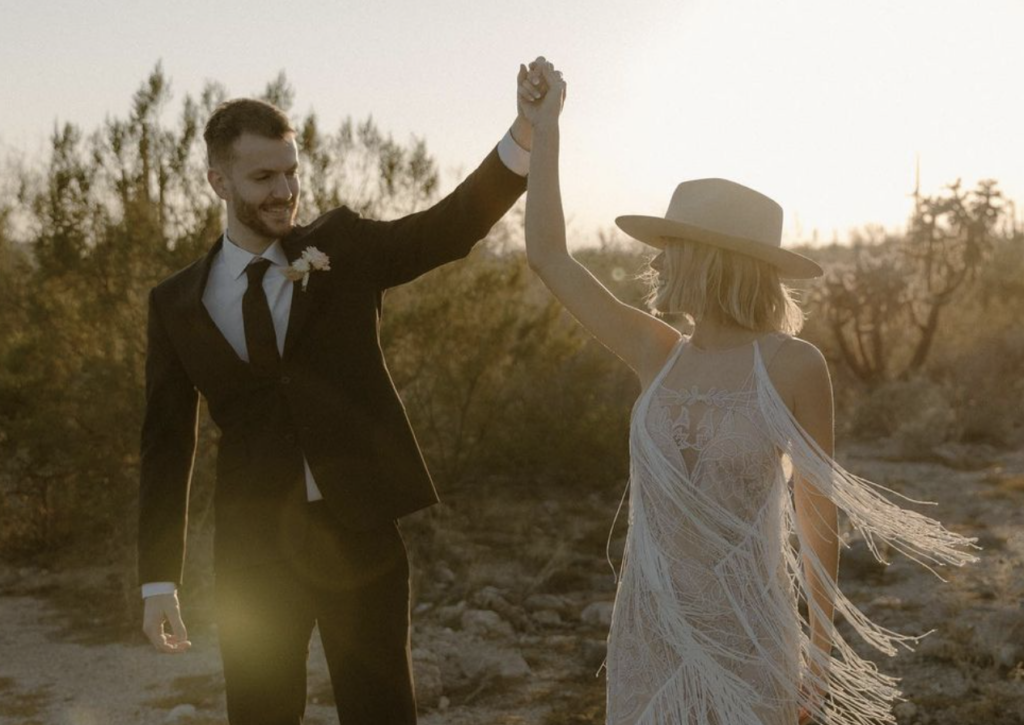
405,248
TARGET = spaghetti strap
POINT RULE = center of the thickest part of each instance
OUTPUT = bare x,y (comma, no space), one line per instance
769,351
670,360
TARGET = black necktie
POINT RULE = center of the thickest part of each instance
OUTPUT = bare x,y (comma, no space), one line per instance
260,338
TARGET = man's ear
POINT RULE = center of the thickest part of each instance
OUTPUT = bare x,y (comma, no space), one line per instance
218,182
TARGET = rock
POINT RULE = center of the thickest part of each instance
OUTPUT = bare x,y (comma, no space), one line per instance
561,643
547,618
594,653
181,713
485,623
495,600
513,666
542,602
482,663
597,614
450,651
964,456
428,681
998,634
422,654
906,712
443,574
490,598
937,648
451,614
951,683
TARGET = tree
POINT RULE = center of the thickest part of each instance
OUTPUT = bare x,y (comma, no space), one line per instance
901,284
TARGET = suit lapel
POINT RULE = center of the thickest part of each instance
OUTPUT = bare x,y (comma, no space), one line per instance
210,336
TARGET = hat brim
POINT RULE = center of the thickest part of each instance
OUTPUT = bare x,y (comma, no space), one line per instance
657,232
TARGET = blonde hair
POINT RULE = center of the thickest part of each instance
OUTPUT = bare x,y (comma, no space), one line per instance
702,281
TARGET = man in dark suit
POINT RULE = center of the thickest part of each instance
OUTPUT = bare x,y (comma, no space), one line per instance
277,327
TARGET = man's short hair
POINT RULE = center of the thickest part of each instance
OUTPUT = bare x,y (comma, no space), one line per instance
242,115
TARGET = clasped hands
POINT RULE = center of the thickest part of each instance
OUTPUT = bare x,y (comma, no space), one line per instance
541,92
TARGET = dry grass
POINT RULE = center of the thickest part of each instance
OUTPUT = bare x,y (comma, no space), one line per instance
1002,486
17,703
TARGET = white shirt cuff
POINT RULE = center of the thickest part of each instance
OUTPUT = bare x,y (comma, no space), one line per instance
514,156
151,589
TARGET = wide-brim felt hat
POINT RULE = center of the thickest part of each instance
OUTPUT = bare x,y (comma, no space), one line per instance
723,214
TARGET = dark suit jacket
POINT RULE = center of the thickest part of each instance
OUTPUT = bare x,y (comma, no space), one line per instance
334,401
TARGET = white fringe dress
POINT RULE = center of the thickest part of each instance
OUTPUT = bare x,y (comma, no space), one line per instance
706,628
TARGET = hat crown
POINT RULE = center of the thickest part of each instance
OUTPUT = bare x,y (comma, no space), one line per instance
726,215
724,207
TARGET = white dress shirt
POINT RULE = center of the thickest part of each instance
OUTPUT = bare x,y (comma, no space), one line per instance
223,299
226,286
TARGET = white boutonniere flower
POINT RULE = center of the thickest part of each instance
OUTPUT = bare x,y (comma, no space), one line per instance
311,260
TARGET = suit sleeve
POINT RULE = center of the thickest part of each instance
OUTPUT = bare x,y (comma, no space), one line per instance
405,248
169,434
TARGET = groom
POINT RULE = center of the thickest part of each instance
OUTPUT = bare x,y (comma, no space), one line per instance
277,328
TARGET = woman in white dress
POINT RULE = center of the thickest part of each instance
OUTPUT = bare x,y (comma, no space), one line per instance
734,494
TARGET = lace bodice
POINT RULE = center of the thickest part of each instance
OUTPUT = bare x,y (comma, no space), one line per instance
707,629
717,439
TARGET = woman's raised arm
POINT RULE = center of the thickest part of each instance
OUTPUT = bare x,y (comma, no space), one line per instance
640,339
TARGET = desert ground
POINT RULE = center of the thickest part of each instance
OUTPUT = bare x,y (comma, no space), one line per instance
512,598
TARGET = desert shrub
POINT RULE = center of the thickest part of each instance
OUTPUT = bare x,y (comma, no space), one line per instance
988,390
983,351
499,381
897,378
103,219
885,305
917,413
979,363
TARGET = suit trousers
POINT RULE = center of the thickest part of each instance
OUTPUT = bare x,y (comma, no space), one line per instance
354,586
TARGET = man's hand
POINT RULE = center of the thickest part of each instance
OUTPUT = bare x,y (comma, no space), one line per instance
161,609
531,89
541,92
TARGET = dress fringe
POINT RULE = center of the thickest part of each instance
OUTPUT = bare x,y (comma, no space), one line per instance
707,610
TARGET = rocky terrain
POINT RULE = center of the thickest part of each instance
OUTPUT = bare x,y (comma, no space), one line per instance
512,599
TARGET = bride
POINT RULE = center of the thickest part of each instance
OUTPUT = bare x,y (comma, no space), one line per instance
734,494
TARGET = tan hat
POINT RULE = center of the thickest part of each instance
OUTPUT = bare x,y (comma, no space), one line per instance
724,214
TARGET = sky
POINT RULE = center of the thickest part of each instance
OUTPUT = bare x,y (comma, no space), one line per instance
828,106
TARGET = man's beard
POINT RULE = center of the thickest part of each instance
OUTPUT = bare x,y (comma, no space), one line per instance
249,215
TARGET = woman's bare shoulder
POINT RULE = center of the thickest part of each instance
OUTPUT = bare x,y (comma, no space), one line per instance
657,348
798,365
798,354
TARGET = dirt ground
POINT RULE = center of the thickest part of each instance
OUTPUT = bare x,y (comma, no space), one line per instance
511,601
